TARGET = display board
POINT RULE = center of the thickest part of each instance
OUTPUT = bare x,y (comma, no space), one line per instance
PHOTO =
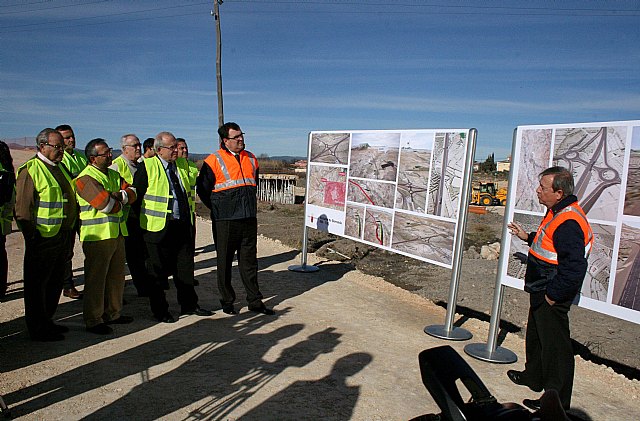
605,161
394,189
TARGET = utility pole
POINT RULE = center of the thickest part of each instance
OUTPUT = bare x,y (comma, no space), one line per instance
216,15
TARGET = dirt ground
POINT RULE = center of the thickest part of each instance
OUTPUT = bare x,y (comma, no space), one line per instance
342,345
597,337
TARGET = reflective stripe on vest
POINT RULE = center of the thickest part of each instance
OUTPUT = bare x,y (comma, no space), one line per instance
123,169
155,203
49,206
96,225
229,173
193,175
75,163
542,246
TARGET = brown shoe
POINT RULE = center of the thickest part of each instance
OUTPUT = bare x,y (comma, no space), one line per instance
72,293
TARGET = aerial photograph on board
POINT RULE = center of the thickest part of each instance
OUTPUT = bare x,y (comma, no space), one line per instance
374,155
327,186
595,156
596,281
330,148
354,221
428,238
413,171
632,191
445,182
626,291
518,249
371,192
377,226
535,152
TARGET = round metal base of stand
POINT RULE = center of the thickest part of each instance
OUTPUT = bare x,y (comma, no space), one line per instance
500,355
304,268
455,334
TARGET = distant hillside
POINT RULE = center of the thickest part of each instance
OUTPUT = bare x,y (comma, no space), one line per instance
285,158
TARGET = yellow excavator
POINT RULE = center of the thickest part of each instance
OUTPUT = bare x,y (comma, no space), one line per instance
489,195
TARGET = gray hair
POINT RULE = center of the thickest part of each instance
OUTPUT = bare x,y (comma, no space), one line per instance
157,143
123,139
43,136
562,180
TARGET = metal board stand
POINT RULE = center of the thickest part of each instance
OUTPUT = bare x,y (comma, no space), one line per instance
448,331
489,352
303,267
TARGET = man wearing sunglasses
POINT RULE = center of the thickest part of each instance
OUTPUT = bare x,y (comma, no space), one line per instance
46,212
227,185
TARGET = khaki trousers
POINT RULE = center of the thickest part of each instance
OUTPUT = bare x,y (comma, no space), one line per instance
103,280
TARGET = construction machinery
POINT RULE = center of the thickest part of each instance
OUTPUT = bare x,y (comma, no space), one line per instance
488,194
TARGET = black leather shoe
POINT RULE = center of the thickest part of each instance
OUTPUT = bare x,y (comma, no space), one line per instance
165,318
518,377
59,328
72,293
100,329
263,310
197,312
229,310
122,320
533,404
48,337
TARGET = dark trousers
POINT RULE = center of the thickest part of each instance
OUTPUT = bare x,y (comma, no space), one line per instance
549,352
44,266
173,255
241,236
67,278
4,265
136,255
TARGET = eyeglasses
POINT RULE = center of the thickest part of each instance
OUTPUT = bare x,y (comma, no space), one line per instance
135,145
173,148
236,137
56,147
107,153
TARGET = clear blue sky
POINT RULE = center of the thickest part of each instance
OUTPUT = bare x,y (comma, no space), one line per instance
290,67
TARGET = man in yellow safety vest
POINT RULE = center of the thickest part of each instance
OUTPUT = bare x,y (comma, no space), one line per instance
46,212
102,194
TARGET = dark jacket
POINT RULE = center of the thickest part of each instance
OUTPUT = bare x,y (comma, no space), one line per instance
560,282
141,184
226,205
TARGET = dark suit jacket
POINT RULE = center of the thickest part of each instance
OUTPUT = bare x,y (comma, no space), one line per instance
141,183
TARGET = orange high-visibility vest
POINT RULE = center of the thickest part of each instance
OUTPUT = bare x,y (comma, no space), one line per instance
230,173
542,246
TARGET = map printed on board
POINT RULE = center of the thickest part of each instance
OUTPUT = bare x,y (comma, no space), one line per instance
605,161
395,189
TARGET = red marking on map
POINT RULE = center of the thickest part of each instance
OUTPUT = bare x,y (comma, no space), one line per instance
334,193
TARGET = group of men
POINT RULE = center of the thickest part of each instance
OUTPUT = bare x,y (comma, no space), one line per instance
143,208
135,208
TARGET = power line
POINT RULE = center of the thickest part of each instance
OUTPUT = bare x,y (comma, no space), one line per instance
484,10
54,7
106,15
422,5
25,4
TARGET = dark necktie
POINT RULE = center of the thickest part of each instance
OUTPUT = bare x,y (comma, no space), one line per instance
183,206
